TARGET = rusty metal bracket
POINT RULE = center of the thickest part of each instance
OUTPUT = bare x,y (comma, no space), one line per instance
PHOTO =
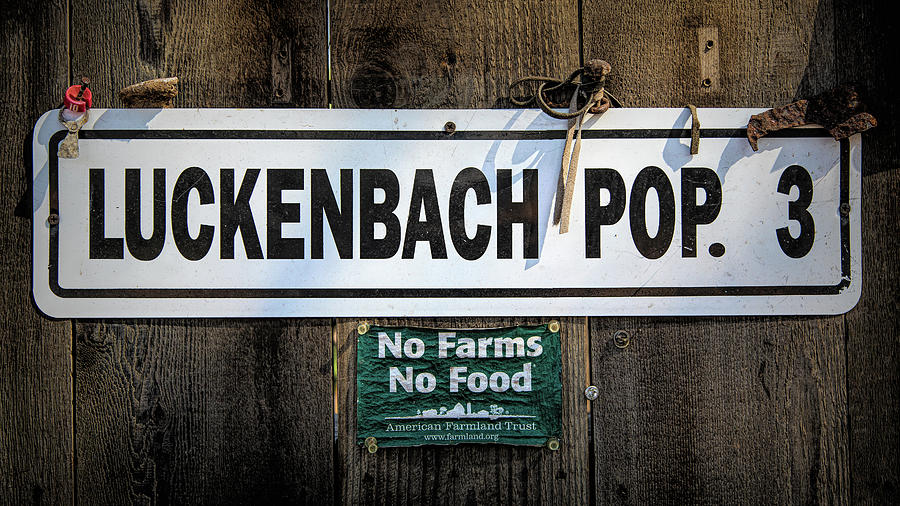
839,110
281,72
708,50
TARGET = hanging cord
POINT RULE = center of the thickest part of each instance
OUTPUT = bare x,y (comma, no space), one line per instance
695,130
588,83
565,186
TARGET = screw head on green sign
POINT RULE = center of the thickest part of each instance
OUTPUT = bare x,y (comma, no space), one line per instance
418,386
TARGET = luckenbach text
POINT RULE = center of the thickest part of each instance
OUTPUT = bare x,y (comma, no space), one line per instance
361,208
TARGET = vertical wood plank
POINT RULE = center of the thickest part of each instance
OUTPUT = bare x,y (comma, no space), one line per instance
724,409
467,474
864,32
720,410
204,411
401,54
212,411
35,352
767,52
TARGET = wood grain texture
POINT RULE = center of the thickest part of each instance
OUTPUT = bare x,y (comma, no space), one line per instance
221,51
766,50
35,352
447,54
211,412
866,36
873,340
727,409
204,411
455,54
720,411
723,410
467,474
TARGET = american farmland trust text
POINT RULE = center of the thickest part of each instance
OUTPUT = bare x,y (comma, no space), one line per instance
380,231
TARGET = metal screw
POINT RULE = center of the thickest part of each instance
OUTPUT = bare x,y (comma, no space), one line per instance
621,339
362,328
53,219
706,83
371,444
709,44
553,326
449,127
592,393
84,84
553,444
845,209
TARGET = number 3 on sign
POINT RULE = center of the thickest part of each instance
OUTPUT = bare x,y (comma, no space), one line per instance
797,247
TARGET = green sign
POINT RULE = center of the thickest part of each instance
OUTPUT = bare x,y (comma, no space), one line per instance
419,386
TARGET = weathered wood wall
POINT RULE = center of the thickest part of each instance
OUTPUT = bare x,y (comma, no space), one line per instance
713,410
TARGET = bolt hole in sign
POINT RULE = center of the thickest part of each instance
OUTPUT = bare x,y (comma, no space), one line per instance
255,213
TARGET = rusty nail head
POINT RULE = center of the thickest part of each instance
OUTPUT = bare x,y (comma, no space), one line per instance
621,339
53,219
592,393
449,127
84,84
706,83
845,209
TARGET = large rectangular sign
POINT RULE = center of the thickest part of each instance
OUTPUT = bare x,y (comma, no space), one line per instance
419,386
244,213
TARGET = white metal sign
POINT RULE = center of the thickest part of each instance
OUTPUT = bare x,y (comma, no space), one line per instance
242,213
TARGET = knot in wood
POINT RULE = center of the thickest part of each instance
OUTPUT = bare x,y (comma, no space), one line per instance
374,86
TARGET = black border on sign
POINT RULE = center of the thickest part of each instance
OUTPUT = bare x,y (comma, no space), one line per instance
365,293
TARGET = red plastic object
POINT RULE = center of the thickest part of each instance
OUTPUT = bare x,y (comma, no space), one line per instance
75,104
